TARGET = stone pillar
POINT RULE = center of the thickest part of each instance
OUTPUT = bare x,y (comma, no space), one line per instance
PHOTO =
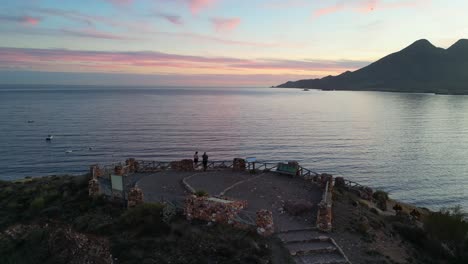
118,170
95,171
135,197
295,164
238,164
131,164
93,187
264,222
339,182
183,165
324,217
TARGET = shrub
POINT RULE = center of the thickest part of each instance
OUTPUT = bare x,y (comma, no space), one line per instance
381,199
147,218
38,203
411,233
450,227
201,193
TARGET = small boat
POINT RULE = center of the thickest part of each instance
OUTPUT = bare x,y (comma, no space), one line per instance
49,138
306,89
30,121
69,151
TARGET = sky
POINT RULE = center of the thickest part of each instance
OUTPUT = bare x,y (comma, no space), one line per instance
211,42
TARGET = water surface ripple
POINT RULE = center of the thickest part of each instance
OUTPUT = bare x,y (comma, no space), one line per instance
413,145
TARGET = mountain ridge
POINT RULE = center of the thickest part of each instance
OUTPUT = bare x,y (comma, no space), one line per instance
420,67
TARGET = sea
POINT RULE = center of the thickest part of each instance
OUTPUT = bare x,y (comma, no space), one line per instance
414,146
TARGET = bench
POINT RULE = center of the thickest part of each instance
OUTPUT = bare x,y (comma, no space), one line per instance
287,168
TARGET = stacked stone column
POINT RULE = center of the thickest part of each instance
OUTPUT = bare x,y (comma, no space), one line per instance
135,197
238,164
264,222
93,187
183,165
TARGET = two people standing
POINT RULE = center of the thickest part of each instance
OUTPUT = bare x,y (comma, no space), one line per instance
204,160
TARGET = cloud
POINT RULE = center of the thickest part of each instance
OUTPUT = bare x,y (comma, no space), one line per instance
92,33
120,2
225,24
94,20
174,19
366,6
281,4
224,41
146,61
15,76
25,20
197,5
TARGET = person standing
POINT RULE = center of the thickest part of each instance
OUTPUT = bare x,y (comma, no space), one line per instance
205,161
195,159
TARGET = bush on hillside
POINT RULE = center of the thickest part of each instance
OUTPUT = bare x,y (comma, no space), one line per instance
450,227
381,199
146,218
201,193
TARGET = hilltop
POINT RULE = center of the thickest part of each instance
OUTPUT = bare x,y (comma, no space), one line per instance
420,67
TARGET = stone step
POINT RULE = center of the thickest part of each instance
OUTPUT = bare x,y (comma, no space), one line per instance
310,247
321,258
301,235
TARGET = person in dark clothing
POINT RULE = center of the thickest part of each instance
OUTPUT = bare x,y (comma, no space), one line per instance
195,159
205,161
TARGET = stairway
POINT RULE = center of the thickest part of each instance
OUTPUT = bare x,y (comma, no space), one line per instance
309,246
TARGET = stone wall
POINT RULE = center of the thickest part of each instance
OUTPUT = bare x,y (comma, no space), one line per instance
93,187
183,165
132,165
238,164
95,171
212,209
135,197
264,222
324,214
363,192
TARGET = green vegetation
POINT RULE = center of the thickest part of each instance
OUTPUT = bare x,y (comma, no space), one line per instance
56,214
381,199
444,235
201,193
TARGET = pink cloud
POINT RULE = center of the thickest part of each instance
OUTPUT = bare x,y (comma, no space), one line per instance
32,21
197,5
225,24
120,2
366,6
25,20
59,59
328,10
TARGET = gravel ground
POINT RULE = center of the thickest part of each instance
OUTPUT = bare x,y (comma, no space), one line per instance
271,190
166,184
262,191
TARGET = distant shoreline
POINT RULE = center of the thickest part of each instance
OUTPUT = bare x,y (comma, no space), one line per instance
369,90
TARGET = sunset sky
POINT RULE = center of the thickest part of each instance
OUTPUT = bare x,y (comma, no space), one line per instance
211,42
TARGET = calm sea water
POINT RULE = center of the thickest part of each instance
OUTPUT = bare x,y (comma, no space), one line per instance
414,146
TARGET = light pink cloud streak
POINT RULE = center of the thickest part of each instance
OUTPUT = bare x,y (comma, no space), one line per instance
50,58
366,6
197,5
120,2
225,24
25,20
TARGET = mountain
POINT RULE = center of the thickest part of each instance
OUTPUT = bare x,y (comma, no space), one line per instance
420,67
